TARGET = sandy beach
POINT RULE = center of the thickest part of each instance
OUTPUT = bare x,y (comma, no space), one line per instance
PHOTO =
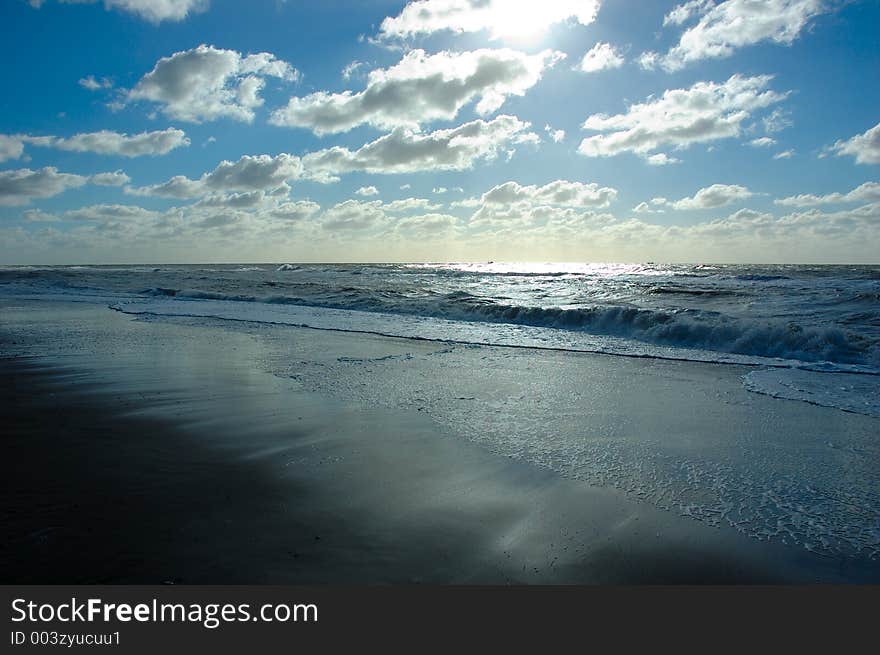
173,451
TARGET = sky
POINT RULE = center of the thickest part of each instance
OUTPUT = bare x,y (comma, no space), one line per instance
135,131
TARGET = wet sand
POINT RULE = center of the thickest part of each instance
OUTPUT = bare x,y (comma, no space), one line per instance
152,452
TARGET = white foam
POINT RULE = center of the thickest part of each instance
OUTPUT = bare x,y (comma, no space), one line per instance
436,329
847,391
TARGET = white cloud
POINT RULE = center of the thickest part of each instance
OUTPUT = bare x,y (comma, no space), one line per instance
502,18
410,204
352,68
559,193
92,84
117,178
661,159
762,142
250,173
776,121
710,197
207,83
600,57
785,154
154,11
352,215
421,88
11,147
646,208
107,142
558,136
705,112
19,187
407,151
439,189
684,12
733,24
864,147
867,192
367,191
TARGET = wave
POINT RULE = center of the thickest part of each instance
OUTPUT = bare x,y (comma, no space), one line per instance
692,329
752,277
679,291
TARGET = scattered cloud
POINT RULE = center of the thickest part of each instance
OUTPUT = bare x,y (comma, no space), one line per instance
421,88
864,147
682,13
407,151
21,186
502,18
92,84
867,192
116,178
154,11
352,68
725,27
367,191
710,197
107,142
207,83
762,142
560,193
250,173
785,154
705,112
558,136
11,147
776,121
600,57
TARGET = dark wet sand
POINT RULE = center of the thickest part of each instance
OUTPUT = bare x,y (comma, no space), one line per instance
165,454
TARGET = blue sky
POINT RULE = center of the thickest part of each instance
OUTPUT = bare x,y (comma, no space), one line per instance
702,130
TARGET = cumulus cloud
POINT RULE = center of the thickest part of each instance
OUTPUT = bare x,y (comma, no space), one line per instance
785,154
421,88
707,111
502,18
249,173
106,142
11,147
864,147
367,191
558,136
409,204
401,151
559,192
510,207
357,216
710,197
154,11
207,83
734,24
407,151
682,13
867,192
116,178
600,57
19,187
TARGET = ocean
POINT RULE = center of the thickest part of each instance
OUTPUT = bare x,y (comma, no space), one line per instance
808,334
821,319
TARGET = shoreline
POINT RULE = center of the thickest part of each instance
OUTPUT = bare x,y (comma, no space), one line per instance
230,474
